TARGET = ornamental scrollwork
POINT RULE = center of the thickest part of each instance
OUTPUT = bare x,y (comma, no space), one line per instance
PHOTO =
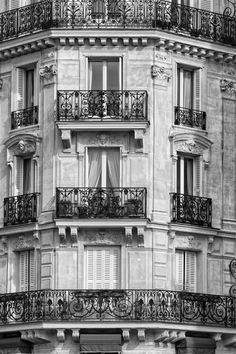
48,71
22,243
104,140
228,87
161,73
24,147
189,146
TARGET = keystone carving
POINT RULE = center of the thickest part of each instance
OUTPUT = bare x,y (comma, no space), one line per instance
228,88
48,71
161,73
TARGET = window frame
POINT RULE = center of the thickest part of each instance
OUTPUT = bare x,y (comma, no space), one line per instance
186,273
29,263
180,175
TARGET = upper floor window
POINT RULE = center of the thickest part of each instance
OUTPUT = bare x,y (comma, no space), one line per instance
26,270
25,87
102,267
186,270
98,8
188,174
188,88
103,167
105,74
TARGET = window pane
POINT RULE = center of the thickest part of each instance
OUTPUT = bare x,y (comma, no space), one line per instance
95,75
26,175
29,88
188,176
187,88
112,75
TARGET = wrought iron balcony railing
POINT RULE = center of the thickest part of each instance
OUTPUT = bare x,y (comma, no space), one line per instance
24,117
190,118
121,14
101,202
119,305
21,209
191,209
102,105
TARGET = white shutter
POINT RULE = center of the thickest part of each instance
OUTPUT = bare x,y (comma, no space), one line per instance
190,271
27,270
197,89
20,89
14,4
103,267
207,5
179,270
197,176
32,270
19,175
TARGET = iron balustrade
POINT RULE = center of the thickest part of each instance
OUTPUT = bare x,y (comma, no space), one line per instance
190,118
118,305
21,209
24,117
191,209
101,202
146,14
127,105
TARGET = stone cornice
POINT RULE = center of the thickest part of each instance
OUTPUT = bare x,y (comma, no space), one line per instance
179,43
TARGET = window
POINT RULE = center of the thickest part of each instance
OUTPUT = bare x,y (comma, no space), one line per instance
25,175
188,88
98,8
25,88
186,270
188,174
102,267
26,270
103,167
105,74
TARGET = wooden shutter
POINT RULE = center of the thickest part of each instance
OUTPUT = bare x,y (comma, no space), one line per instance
197,176
20,89
197,89
14,4
190,271
19,175
103,267
179,270
27,270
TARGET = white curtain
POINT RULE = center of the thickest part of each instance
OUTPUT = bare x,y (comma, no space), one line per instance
26,176
187,89
95,167
189,176
113,168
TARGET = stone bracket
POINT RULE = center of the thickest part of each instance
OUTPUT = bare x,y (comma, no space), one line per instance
66,138
61,335
169,336
75,335
126,334
35,336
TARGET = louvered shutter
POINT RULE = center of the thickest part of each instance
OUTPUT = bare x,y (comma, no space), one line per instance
197,176
190,271
197,89
23,271
14,4
179,270
31,265
207,5
19,175
103,266
20,89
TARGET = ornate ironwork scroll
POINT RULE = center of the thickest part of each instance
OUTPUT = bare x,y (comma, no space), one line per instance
232,269
21,209
99,105
119,14
24,117
190,118
191,209
130,305
101,202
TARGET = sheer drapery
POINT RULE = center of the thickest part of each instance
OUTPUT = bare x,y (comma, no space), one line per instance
187,89
188,180
113,168
95,168
26,175
29,99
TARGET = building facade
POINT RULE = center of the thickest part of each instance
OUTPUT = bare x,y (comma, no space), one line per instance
117,199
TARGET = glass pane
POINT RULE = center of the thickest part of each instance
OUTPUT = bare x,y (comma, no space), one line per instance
187,89
29,88
113,168
112,75
95,75
178,176
26,176
188,176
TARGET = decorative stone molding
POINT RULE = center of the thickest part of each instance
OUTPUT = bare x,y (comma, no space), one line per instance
126,334
22,145
103,238
140,234
171,236
74,236
128,236
141,334
22,243
161,73
61,335
66,138
48,71
62,236
210,241
228,88
189,146
3,246
104,140
187,242
75,335
35,336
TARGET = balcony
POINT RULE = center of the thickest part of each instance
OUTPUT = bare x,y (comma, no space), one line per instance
190,118
191,209
147,14
21,209
118,305
24,117
85,203
125,106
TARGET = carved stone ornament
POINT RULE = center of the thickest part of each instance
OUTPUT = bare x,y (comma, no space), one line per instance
103,237
189,146
187,242
161,73
48,71
23,244
24,147
104,140
228,88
